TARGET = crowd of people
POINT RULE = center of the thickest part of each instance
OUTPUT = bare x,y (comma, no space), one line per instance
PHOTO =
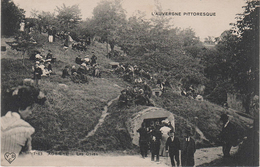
157,136
129,72
43,64
87,67
139,94
160,139
190,92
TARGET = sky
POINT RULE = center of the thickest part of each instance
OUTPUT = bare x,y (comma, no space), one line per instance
204,26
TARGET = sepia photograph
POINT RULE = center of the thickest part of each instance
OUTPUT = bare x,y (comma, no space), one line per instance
158,83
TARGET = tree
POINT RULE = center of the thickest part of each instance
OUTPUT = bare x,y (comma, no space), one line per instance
11,16
109,17
134,35
46,18
68,16
236,61
245,74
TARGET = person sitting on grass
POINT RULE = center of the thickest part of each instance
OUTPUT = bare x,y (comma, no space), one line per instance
17,106
96,71
49,67
65,72
73,69
93,60
49,56
122,101
82,69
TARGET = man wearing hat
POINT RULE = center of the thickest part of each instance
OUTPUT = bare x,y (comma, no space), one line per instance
143,140
188,149
173,147
155,142
228,135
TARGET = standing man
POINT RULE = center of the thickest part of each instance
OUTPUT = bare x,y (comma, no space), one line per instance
50,35
228,135
143,140
156,137
165,131
173,147
188,149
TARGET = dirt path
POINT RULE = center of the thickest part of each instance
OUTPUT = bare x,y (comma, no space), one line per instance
101,119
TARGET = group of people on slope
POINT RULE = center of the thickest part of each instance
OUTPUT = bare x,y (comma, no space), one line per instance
88,66
161,140
43,66
140,94
129,72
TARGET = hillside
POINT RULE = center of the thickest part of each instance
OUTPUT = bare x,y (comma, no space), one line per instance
72,110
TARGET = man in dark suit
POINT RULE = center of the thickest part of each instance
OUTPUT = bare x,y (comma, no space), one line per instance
173,145
143,140
188,149
228,135
155,142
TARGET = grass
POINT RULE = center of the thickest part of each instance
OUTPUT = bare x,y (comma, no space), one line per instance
113,134
72,110
208,114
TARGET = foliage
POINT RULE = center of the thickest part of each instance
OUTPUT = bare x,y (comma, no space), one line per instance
68,16
236,60
245,75
11,16
208,114
46,18
108,18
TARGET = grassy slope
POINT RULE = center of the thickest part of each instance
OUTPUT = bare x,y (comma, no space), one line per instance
113,134
208,114
72,112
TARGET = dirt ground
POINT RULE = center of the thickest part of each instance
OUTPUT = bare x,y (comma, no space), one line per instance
202,156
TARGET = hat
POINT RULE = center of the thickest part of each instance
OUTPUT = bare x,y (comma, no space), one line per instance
87,59
165,121
84,64
224,117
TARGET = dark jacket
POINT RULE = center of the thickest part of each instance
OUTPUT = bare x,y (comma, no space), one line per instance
173,146
143,134
187,152
38,73
155,144
229,134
